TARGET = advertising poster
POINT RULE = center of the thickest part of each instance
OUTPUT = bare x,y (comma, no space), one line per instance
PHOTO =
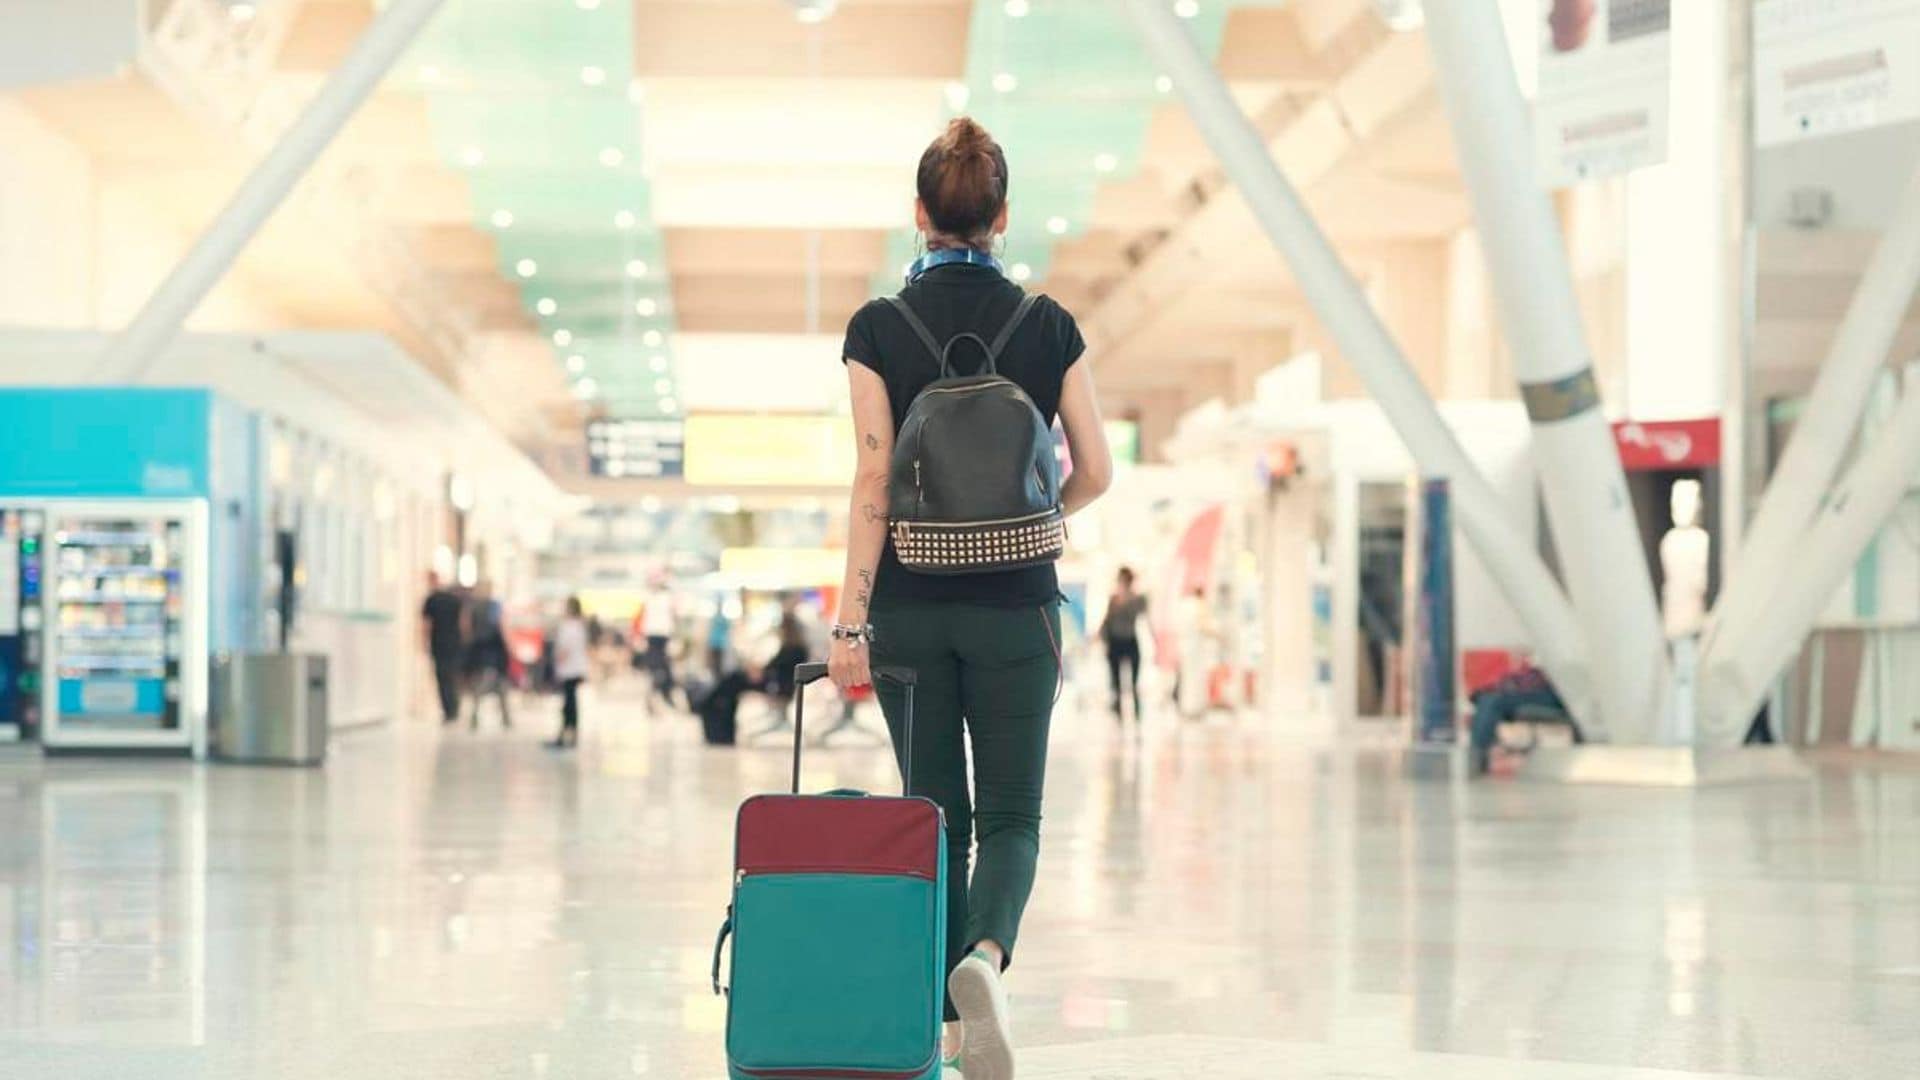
1605,80
1821,67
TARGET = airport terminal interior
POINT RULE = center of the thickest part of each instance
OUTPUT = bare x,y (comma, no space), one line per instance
1460,615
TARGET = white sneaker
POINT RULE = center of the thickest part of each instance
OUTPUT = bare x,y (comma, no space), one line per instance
987,1053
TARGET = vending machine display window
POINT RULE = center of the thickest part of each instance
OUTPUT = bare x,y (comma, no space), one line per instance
124,614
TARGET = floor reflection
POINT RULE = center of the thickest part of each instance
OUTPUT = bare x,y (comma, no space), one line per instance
457,904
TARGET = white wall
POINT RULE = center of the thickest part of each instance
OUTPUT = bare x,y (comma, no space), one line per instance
1865,171
81,247
1675,280
47,196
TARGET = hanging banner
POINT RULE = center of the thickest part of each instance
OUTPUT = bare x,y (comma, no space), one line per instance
1821,67
1605,80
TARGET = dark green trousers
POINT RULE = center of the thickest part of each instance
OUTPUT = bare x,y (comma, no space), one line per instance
988,677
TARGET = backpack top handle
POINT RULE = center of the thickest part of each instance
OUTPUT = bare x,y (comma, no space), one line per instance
992,351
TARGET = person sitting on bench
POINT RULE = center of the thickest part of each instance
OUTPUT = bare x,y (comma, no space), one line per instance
1501,701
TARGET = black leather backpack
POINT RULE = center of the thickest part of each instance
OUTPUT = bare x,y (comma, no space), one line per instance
975,484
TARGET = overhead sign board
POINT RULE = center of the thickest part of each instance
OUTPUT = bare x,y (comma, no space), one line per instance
1822,67
649,449
1605,81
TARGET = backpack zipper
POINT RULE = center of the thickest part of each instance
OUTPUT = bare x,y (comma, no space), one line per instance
919,493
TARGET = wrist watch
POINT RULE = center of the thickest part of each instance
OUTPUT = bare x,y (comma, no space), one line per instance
858,635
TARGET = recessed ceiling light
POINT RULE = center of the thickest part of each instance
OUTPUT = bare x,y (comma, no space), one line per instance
1105,163
593,76
957,96
663,386
526,268
1186,9
502,219
814,12
1018,9
1163,83
652,339
624,219
658,363
646,305
636,92
545,305
1057,225
1020,271
472,156
587,5
429,73
585,388
563,337
611,156
576,363
668,405
242,12
636,268
1005,83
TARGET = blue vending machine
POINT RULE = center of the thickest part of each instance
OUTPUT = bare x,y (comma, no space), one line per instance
109,608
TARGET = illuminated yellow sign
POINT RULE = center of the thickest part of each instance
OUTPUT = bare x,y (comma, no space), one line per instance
791,568
769,451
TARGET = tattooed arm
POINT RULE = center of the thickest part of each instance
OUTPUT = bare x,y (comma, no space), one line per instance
866,517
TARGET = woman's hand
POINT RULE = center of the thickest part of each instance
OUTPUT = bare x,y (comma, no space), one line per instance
847,665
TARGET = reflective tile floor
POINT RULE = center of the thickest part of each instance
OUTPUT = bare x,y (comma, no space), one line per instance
1214,901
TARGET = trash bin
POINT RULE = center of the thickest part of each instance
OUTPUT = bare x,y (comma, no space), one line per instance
270,708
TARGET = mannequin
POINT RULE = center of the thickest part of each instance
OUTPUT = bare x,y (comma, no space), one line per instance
1683,564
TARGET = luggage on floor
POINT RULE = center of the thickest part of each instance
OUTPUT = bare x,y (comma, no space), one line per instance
719,707
839,926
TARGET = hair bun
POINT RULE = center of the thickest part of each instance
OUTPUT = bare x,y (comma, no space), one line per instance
966,137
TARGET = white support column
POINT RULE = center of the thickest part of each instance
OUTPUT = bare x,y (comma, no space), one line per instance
1580,475
1343,309
264,189
1775,539
1737,678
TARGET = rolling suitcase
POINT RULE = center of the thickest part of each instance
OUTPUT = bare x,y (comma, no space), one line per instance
839,927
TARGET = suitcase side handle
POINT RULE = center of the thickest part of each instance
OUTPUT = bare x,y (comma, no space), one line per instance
806,674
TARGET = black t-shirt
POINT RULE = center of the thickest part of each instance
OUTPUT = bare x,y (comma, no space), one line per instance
951,299
442,612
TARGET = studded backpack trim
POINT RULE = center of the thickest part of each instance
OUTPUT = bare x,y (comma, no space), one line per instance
970,547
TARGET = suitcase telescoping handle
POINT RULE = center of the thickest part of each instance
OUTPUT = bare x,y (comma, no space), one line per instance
804,674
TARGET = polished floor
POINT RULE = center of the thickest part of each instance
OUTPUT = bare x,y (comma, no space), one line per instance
1215,901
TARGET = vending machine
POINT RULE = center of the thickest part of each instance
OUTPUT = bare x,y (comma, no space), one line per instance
123,611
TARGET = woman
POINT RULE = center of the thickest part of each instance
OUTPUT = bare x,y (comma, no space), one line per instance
1120,632
986,646
572,657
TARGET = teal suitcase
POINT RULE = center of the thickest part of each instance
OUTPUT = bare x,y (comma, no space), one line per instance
839,928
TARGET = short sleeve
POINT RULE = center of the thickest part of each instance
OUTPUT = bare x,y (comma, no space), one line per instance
860,346
1067,337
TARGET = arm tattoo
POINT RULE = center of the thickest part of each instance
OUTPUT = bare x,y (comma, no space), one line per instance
871,512
865,595
873,443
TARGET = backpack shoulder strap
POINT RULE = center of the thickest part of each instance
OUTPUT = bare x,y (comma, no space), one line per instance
1006,332
919,329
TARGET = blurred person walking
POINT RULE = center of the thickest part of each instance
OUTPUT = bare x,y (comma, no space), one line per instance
487,653
1120,633
985,644
572,659
656,625
719,639
443,628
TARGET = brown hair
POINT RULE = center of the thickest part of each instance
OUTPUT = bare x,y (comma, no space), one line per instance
963,182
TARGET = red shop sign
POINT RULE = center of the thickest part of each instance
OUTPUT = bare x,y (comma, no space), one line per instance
1668,444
